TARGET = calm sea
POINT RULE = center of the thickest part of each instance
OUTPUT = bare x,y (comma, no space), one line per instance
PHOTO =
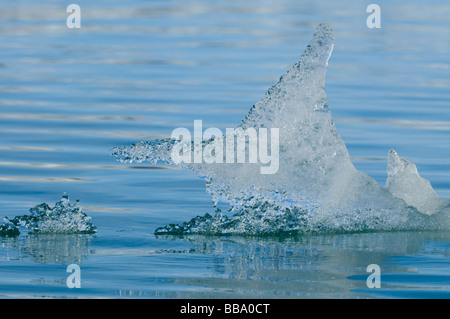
136,70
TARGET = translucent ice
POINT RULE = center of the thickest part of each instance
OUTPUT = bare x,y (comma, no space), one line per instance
63,218
8,229
316,187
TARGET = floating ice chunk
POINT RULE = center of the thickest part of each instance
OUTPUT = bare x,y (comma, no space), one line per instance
405,182
63,218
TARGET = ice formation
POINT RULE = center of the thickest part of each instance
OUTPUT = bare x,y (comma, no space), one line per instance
405,182
316,187
63,218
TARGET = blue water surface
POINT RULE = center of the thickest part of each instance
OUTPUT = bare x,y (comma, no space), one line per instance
136,70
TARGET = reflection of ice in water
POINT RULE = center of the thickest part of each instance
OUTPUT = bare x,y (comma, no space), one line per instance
48,248
316,188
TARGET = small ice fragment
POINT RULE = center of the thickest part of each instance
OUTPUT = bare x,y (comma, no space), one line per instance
405,182
63,218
